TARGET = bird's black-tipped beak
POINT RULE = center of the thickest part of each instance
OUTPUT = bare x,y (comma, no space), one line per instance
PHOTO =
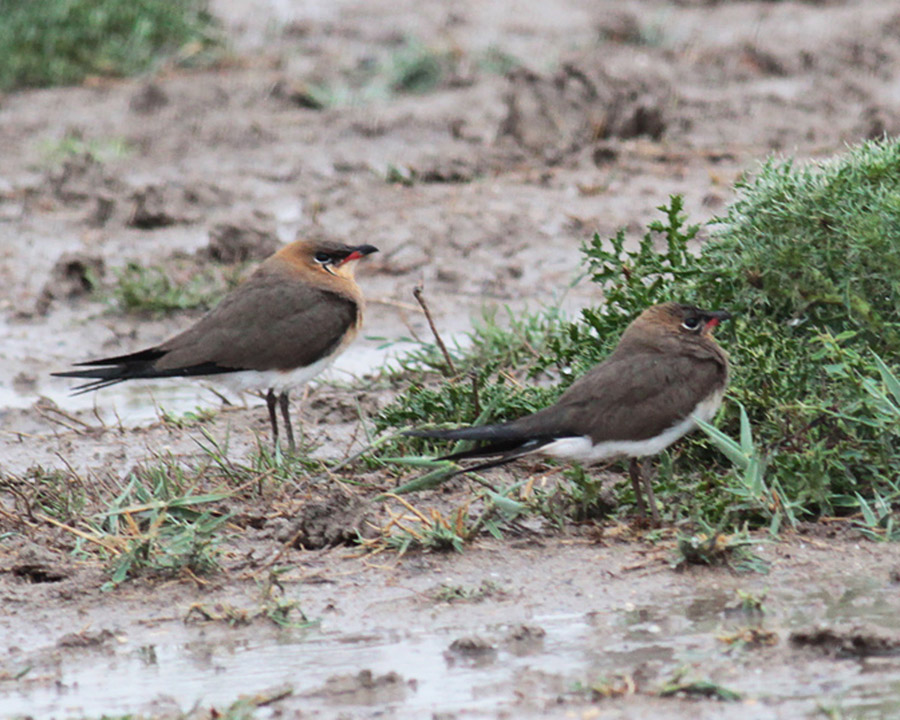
360,251
713,318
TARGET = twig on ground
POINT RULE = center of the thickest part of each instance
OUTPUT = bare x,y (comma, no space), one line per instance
476,401
392,303
417,292
408,506
68,426
85,536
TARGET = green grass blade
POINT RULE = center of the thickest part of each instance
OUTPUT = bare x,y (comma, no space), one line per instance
181,502
890,381
509,507
728,446
746,433
868,514
441,470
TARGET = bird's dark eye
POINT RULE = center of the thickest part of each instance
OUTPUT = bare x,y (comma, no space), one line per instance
322,257
691,323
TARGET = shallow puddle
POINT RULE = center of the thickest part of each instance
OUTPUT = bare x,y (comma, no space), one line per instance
143,402
413,671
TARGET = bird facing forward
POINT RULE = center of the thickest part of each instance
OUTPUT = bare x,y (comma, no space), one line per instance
665,371
281,327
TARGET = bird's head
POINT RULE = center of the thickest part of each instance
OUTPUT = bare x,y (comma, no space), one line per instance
688,319
327,256
675,321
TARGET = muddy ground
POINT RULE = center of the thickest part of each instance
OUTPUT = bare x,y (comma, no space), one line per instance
610,108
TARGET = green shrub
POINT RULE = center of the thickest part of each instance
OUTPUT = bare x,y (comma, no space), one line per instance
817,246
808,261
58,42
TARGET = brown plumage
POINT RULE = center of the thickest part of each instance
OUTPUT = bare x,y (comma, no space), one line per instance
665,370
296,313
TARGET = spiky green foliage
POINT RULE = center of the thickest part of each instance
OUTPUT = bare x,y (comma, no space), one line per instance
58,42
162,524
816,246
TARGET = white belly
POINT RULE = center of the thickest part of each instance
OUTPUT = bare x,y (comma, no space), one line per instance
278,380
582,449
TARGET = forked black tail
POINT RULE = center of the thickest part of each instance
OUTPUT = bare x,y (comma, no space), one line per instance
503,443
139,365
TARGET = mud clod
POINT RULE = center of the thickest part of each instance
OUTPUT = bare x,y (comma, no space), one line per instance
80,178
38,573
104,204
296,94
242,241
74,275
148,99
876,121
24,382
761,62
334,520
451,170
853,641
556,115
472,645
523,640
85,639
605,155
366,688
156,206
619,26
526,633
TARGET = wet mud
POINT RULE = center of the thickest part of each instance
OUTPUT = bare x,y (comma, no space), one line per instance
566,629
482,190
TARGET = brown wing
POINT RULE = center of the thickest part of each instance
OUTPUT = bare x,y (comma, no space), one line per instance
634,398
308,323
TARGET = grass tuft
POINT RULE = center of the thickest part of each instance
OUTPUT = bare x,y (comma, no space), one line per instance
151,289
73,145
714,548
450,594
157,524
412,68
682,686
417,69
273,606
61,42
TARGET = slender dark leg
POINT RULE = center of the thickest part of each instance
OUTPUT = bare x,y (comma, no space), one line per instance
634,471
651,496
284,400
271,400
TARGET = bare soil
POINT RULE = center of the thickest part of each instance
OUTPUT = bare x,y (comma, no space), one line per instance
614,107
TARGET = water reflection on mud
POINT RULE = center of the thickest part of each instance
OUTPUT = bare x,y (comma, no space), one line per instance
415,671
